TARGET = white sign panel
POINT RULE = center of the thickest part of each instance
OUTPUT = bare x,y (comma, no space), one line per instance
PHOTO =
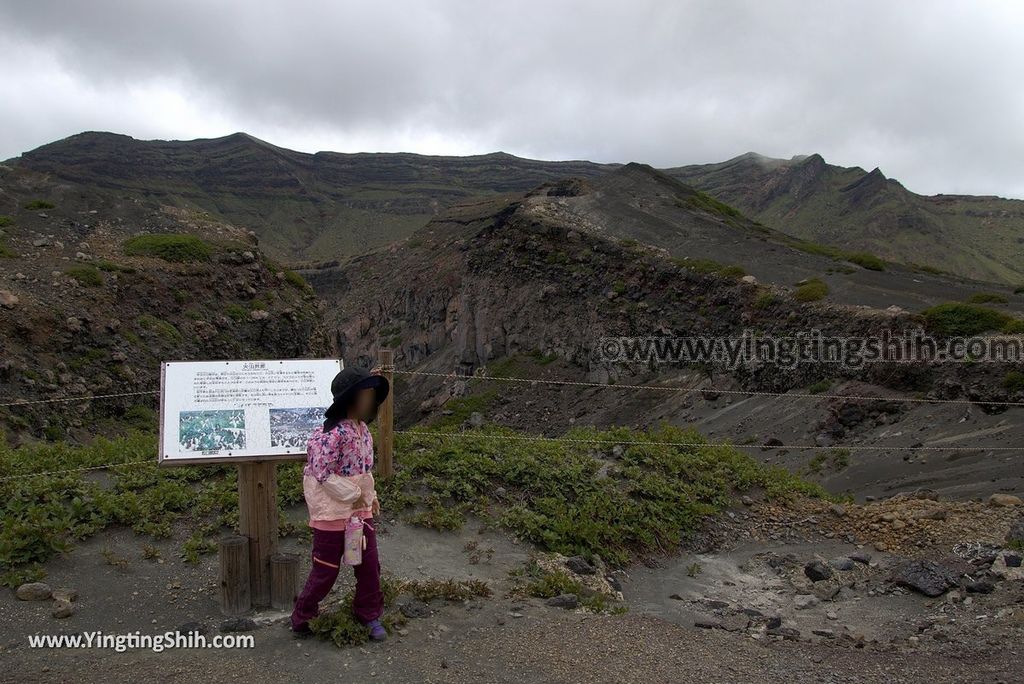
214,411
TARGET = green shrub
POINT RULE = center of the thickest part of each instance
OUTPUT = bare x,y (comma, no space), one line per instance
1014,381
88,276
1018,290
866,260
113,267
236,312
557,499
6,252
296,280
39,204
987,298
820,386
172,247
959,319
5,221
811,291
1014,327
732,272
764,299
160,327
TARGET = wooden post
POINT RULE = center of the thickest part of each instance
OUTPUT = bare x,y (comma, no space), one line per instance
386,417
284,580
257,520
234,574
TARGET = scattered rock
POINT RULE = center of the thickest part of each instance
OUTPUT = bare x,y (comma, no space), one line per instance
981,586
414,608
924,576
580,566
476,419
860,556
817,571
65,594
749,280
259,315
1016,533
8,299
1004,500
842,563
62,609
238,624
567,601
193,627
804,601
787,633
34,591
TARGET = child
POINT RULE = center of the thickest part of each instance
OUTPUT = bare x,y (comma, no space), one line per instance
338,484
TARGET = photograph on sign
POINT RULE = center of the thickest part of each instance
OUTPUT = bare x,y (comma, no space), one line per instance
241,410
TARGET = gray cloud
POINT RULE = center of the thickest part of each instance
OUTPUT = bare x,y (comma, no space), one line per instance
927,90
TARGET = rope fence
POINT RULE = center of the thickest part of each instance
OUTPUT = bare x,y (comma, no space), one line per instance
718,445
690,390
584,440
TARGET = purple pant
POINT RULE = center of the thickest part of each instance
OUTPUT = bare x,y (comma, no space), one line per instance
328,546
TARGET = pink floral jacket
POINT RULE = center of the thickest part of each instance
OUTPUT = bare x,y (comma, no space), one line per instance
345,452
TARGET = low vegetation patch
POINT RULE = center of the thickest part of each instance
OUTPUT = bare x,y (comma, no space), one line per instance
863,259
543,583
180,248
89,276
6,252
987,298
5,221
811,291
112,266
712,266
45,515
297,281
866,260
705,202
339,625
960,319
38,204
557,496
161,327
1014,381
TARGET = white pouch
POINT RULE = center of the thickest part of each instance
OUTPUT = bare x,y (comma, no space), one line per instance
341,489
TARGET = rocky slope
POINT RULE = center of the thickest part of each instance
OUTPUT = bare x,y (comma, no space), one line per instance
973,236
528,284
304,207
82,314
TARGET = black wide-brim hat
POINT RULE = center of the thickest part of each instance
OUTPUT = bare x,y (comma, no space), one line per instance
349,381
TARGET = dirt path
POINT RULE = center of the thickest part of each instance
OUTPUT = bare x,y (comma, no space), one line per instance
499,639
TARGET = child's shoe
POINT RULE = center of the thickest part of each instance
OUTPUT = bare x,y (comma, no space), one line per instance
377,631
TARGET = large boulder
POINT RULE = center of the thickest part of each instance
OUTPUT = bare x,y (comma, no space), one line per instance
925,576
34,591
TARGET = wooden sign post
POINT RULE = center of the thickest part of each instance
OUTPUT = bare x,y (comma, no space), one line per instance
253,414
258,520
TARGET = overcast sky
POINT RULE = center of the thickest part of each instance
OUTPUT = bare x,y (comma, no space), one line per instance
931,91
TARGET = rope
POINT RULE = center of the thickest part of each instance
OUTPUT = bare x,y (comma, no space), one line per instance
687,390
72,470
88,398
853,447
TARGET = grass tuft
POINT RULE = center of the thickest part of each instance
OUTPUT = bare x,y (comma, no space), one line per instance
172,247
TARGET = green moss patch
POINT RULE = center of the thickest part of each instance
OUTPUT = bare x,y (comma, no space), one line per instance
172,247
